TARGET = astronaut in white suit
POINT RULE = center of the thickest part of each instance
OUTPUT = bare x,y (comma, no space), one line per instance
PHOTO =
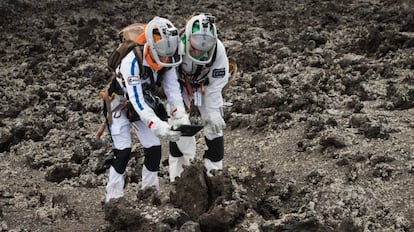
203,72
158,63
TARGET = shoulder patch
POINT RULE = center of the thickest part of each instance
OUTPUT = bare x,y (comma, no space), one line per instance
134,80
219,73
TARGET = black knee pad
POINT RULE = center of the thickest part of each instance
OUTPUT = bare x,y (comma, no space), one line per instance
152,158
215,149
174,150
120,159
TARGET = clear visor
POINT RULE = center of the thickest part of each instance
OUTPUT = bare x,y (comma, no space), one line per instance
167,46
202,42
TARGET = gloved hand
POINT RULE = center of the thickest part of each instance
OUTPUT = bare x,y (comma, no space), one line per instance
176,122
160,128
163,130
178,115
215,121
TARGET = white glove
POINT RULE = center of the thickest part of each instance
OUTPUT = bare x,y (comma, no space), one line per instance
178,115
160,128
215,121
163,130
176,122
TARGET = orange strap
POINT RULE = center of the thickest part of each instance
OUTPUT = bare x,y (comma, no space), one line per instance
149,59
141,39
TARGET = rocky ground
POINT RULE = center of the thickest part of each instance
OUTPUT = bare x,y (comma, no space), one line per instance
320,130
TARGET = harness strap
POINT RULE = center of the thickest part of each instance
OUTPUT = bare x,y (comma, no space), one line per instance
138,54
147,71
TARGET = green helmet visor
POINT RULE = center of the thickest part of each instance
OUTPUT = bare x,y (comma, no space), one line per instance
200,39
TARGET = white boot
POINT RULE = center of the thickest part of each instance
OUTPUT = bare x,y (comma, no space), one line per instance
149,179
212,166
115,186
175,166
187,146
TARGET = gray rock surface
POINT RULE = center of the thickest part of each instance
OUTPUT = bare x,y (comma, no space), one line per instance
320,130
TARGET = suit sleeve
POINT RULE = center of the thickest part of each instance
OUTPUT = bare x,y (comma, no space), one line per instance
218,78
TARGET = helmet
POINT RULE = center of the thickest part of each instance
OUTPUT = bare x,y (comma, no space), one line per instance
200,35
163,41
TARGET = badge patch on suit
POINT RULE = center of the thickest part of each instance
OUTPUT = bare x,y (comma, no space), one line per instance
219,73
134,80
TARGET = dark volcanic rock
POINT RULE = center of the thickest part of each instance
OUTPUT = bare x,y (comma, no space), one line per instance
319,119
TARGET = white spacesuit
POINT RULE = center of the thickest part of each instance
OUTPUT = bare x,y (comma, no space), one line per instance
159,61
203,72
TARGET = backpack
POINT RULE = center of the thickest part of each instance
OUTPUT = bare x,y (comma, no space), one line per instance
132,38
129,40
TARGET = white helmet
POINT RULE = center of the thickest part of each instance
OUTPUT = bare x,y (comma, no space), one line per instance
201,34
163,41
